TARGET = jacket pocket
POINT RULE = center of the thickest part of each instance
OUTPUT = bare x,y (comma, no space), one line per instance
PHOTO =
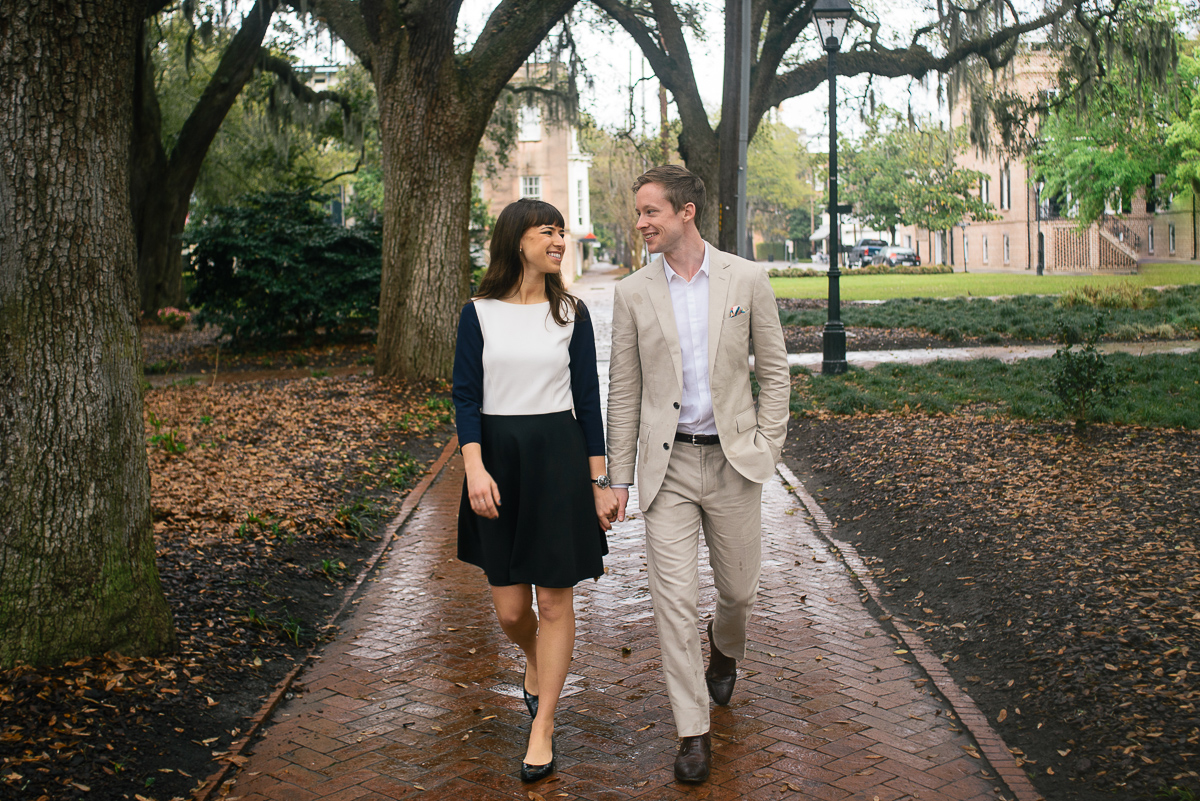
747,420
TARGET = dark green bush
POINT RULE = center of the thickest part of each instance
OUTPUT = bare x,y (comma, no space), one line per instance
1082,380
274,265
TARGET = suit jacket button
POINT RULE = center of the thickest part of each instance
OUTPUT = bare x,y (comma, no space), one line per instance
666,447
676,404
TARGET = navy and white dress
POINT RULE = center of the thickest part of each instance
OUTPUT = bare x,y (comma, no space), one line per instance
517,377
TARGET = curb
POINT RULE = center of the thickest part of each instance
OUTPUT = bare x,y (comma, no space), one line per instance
991,744
234,758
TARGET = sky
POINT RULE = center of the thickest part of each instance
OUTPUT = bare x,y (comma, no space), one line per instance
613,62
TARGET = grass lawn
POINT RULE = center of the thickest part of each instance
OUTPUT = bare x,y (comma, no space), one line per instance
952,285
1158,391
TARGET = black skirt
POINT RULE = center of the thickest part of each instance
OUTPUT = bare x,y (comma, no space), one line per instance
547,533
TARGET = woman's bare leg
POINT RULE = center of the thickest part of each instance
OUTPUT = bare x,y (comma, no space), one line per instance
514,610
555,643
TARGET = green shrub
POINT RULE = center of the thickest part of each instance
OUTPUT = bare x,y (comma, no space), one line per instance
1124,295
769,251
1082,380
274,265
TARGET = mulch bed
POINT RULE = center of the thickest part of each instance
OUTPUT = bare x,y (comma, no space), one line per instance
268,496
1056,574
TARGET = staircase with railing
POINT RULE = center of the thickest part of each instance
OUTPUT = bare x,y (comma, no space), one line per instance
1119,245
1121,232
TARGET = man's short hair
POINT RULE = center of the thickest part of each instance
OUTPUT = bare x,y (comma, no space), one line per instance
679,185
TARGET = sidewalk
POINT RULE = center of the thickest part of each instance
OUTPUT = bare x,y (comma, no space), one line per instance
420,694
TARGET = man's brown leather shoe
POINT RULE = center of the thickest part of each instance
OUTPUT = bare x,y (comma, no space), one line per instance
694,760
721,673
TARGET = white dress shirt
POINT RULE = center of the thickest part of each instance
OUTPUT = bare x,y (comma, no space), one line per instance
690,302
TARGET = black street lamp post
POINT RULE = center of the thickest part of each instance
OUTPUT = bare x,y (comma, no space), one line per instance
832,17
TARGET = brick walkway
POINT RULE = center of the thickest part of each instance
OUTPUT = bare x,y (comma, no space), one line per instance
420,695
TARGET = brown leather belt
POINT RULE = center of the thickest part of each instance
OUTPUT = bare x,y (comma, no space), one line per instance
698,439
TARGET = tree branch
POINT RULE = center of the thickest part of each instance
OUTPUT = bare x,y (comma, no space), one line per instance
343,18
915,61
282,69
672,66
511,34
233,70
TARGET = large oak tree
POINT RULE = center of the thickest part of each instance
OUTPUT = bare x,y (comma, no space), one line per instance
434,106
77,569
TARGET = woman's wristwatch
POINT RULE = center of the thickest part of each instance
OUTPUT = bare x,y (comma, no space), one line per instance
602,482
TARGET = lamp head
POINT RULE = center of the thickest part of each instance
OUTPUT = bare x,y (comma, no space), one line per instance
832,17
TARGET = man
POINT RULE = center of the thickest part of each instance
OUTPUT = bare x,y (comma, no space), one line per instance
680,402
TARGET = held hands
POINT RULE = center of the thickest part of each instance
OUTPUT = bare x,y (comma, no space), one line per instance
622,494
483,493
606,506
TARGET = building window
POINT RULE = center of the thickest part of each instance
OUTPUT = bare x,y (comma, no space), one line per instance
966,249
1150,238
908,242
530,121
579,198
985,190
531,186
1171,237
1006,250
1006,187
983,246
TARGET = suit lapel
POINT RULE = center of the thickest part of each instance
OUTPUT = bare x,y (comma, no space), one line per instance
718,294
660,301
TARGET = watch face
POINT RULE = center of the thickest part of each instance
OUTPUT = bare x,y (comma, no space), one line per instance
602,482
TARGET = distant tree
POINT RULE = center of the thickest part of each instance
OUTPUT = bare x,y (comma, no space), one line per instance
898,174
77,567
1104,149
872,173
617,160
777,161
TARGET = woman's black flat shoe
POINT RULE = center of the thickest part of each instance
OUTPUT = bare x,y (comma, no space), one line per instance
531,701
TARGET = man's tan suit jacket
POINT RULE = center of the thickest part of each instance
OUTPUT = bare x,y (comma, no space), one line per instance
646,373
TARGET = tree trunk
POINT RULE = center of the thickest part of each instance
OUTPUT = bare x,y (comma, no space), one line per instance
77,569
159,265
426,218
162,185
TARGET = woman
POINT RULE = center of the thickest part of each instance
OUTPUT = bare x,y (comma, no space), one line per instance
536,502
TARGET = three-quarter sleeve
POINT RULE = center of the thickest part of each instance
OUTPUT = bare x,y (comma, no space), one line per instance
467,392
585,382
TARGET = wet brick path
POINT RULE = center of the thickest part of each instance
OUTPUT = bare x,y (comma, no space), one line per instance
420,694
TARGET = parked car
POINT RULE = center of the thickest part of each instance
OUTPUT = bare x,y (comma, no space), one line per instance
892,255
863,251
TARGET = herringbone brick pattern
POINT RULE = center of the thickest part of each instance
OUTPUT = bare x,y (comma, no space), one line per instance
420,695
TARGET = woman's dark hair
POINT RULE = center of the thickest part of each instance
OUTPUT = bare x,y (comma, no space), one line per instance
504,269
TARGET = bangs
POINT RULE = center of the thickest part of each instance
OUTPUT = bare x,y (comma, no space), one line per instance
537,213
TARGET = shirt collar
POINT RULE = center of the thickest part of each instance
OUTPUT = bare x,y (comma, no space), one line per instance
672,275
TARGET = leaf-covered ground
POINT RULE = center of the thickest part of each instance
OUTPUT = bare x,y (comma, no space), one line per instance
267,497
1057,575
